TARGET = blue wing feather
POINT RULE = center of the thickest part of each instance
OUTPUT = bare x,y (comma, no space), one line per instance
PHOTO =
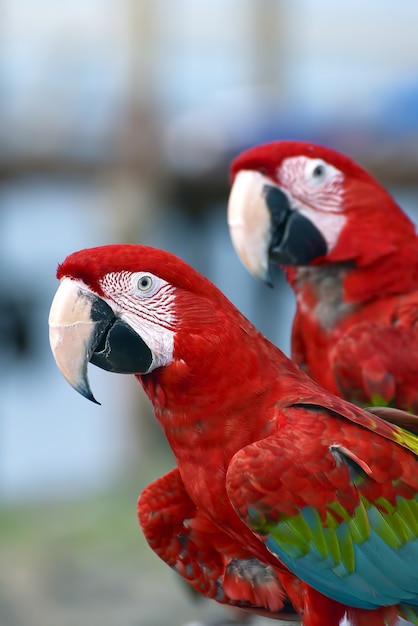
374,575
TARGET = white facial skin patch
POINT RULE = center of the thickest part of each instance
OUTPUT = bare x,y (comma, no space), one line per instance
146,303
315,189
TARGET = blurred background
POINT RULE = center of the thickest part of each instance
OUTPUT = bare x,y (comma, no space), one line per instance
118,120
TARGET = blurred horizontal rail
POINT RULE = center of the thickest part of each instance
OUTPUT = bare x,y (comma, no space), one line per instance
392,168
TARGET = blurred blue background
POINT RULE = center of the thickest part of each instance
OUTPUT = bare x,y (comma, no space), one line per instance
118,120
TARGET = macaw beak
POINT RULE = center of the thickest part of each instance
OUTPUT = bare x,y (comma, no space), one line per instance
265,228
84,329
249,223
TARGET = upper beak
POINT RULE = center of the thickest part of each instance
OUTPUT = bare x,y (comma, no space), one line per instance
83,328
264,227
249,223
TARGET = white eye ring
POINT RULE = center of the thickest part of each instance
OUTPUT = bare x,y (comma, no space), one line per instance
317,171
145,283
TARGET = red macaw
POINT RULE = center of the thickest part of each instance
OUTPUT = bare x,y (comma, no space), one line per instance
351,256
281,490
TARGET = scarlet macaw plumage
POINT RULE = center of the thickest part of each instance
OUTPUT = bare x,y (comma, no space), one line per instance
351,257
280,489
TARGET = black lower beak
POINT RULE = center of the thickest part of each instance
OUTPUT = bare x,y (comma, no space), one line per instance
295,240
120,349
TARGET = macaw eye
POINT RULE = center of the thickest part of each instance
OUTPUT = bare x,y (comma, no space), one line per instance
145,283
319,171
316,170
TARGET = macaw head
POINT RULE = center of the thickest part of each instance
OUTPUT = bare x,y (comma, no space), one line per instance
133,309
295,204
